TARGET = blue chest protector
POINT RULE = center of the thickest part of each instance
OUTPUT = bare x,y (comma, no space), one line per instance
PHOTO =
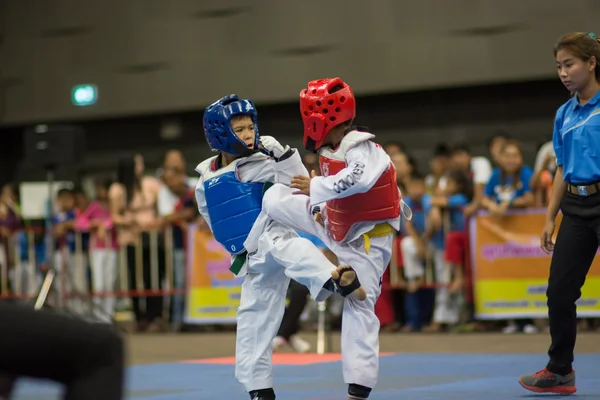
233,207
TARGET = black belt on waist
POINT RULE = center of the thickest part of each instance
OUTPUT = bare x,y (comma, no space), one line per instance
583,190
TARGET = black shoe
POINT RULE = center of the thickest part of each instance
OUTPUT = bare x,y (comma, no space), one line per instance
262,394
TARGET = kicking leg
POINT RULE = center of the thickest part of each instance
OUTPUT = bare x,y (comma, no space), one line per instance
303,261
293,211
307,265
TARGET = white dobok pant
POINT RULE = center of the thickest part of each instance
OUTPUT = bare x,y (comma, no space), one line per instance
281,255
360,325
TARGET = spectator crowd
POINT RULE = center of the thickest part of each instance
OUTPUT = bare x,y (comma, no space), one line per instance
123,227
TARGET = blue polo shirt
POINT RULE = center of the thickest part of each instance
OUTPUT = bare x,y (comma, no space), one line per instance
576,140
508,190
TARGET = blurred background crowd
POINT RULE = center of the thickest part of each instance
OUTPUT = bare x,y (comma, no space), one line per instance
458,93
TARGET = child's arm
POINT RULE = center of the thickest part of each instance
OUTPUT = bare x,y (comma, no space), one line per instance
439,201
86,220
483,173
201,201
116,196
366,163
527,199
452,201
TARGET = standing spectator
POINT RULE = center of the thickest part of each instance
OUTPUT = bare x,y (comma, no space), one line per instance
183,213
415,253
63,225
133,208
509,188
10,221
543,174
479,171
80,261
95,220
447,215
438,166
10,214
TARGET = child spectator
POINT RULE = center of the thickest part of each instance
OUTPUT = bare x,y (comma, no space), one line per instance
415,252
95,220
447,215
438,166
63,224
508,186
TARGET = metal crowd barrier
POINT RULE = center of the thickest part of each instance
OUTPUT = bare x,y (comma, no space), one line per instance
21,279
431,281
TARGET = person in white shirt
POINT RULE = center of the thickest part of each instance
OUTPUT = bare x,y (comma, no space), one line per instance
479,169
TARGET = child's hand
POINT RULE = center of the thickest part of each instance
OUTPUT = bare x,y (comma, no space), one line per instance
270,146
500,209
302,183
470,210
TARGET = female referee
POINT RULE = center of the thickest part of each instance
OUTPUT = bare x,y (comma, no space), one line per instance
575,191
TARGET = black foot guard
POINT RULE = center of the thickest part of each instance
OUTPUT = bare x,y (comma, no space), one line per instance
348,289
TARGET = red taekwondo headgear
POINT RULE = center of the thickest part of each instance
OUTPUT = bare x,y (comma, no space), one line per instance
324,104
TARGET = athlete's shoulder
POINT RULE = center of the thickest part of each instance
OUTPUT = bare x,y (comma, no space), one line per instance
206,165
358,134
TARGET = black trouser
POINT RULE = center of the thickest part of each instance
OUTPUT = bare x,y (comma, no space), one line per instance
574,251
290,324
154,304
87,358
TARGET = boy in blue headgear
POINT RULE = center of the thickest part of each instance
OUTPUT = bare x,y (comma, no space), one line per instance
229,195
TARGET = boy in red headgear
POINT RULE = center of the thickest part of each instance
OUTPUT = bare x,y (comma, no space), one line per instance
354,208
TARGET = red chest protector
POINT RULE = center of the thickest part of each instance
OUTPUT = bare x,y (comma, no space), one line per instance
380,203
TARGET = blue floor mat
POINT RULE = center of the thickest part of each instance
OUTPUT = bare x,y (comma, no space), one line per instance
406,376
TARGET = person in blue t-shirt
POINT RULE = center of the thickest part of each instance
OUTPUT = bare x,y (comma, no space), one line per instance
63,230
508,186
416,248
447,216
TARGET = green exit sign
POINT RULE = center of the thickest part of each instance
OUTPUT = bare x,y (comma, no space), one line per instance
84,95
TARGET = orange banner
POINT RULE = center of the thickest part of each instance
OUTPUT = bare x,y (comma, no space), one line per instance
510,270
213,291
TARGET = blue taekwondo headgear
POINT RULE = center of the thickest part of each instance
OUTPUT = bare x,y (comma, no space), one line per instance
217,124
